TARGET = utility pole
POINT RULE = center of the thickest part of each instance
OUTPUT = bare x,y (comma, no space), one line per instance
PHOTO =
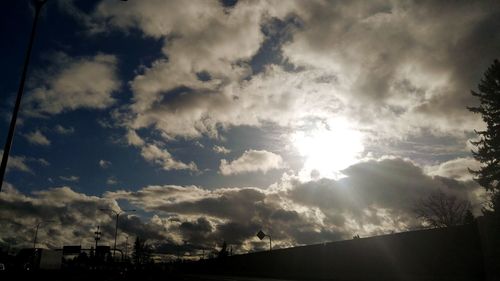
36,231
97,237
8,143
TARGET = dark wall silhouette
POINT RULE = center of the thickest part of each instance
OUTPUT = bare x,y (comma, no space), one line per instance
438,254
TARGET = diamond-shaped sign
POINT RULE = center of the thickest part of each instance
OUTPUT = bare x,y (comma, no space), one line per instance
261,235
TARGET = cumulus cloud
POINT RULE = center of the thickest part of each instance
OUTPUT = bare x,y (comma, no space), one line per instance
163,158
456,168
391,69
221,149
17,163
64,131
212,39
379,195
73,219
104,164
133,138
398,61
37,138
251,161
368,62
43,162
74,216
375,197
70,178
73,83
232,214
111,181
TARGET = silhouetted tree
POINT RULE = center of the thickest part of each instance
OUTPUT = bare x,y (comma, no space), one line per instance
488,146
92,253
469,218
142,252
441,210
223,251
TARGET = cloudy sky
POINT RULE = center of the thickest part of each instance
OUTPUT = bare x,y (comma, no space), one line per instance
311,120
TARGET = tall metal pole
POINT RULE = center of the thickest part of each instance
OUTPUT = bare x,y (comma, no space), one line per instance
116,231
97,237
126,248
36,234
8,143
116,224
36,231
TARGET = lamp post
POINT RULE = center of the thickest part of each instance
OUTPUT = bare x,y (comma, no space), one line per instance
126,249
36,231
8,143
116,224
261,236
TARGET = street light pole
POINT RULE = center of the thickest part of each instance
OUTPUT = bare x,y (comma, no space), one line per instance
36,234
8,143
126,248
116,231
116,224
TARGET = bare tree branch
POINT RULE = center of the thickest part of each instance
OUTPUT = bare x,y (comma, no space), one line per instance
441,210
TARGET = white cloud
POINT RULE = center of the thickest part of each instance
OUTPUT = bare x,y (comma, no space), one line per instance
64,131
17,163
70,178
163,158
37,138
104,164
43,162
456,168
379,54
86,82
251,161
211,39
111,181
276,96
366,62
221,149
134,139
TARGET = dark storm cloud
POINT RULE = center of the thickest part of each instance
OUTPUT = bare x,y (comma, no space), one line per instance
135,226
72,215
379,193
236,232
234,215
196,231
375,197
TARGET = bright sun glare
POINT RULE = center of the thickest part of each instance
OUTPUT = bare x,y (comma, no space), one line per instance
328,149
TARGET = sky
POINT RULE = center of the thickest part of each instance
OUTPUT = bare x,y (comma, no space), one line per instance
311,120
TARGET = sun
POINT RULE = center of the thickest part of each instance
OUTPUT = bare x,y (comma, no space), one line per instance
328,149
